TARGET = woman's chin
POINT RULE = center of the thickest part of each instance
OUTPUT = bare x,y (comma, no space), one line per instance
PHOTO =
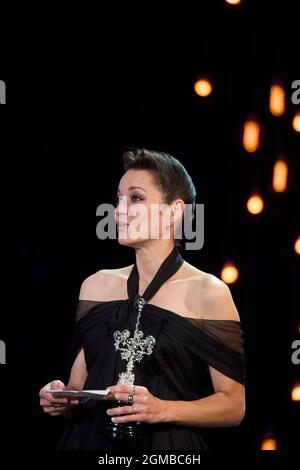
126,241
130,241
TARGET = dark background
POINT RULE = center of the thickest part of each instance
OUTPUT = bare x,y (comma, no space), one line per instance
66,123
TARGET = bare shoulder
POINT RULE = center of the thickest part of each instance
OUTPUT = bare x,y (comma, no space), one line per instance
211,296
105,284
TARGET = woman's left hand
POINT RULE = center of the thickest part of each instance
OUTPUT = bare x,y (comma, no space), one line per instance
145,407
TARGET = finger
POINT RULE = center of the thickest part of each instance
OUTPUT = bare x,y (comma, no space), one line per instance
128,418
74,401
46,393
44,402
123,410
121,396
54,408
53,399
123,388
130,388
57,385
142,398
54,414
57,405
54,385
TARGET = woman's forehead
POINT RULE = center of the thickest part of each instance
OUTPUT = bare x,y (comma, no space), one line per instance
136,179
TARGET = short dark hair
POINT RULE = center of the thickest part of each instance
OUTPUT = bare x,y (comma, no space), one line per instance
169,175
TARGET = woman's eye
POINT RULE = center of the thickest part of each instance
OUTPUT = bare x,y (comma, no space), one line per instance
134,198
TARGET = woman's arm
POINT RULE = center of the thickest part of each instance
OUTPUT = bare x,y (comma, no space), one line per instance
78,372
63,406
226,407
77,379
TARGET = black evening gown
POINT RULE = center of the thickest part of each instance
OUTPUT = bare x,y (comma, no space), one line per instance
178,368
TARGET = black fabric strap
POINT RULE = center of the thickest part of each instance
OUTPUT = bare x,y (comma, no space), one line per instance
124,312
169,266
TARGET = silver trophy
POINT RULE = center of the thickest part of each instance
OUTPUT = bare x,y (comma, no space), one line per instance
132,349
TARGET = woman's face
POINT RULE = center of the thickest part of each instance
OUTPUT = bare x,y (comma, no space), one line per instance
141,214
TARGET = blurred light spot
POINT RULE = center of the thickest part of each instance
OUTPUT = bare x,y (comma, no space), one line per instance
233,2
203,87
251,136
296,393
297,249
255,204
269,444
280,174
229,273
296,122
277,100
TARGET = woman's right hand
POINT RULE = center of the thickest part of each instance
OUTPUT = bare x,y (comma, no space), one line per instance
56,406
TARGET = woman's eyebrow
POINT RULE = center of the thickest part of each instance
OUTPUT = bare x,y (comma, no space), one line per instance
133,187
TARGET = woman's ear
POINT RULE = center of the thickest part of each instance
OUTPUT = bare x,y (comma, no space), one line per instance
178,209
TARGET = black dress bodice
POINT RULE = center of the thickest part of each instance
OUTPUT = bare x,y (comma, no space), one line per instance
178,368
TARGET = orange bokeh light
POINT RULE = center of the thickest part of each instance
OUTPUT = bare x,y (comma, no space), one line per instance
203,87
229,273
277,100
280,174
251,136
255,204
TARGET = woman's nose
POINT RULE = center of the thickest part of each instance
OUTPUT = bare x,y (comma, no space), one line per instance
121,208
122,204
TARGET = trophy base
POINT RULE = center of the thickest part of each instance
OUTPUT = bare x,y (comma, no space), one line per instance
127,432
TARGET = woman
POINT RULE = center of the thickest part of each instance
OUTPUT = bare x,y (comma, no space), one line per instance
194,377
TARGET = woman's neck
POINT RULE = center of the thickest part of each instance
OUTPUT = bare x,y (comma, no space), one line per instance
149,259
